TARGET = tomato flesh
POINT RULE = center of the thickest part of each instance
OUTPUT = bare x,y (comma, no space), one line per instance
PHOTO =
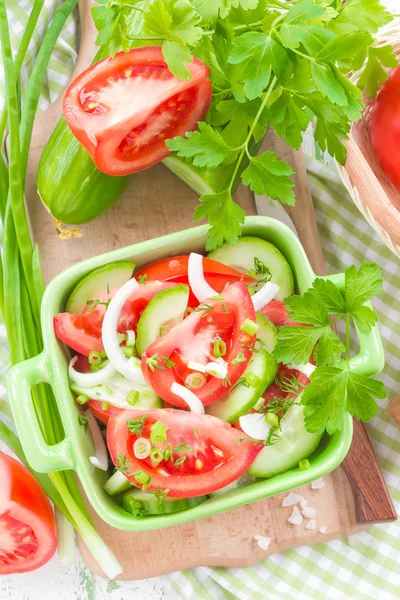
122,109
278,315
69,328
27,527
193,340
213,456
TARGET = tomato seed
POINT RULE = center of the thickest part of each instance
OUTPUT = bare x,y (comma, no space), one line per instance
198,464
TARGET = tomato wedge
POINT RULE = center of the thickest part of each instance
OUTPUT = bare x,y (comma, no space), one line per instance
122,109
193,340
27,527
277,314
210,458
175,269
82,333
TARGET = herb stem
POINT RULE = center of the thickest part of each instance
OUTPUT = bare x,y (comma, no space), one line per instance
347,338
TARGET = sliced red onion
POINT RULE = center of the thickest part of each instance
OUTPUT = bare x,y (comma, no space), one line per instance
306,369
129,368
193,402
90,378
101,459
255,426
265,295
200,288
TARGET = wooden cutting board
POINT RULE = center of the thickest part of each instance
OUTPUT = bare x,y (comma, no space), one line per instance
155,203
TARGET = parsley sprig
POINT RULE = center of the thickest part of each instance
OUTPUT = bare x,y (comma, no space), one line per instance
334,387
272,63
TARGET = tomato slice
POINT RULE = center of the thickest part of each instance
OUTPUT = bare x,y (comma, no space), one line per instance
175,269
122,109
213,457
27,527
100,413
193,340
69,328
278,315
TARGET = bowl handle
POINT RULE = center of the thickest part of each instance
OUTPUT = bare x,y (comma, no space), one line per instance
371,358
21,379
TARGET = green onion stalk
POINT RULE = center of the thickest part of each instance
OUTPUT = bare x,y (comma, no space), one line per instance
21,279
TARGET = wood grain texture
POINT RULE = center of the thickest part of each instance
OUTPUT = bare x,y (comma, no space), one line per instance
226,539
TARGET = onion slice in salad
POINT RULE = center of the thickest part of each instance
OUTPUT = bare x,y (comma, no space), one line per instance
255,426
189,397
129,368
265,295
101,459
200,288
307,369
90,378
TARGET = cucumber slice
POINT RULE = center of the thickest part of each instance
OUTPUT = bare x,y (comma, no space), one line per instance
241,257
99,281
165,310
239,401
135,501
244,480
267,332
296,443
115,392
117,484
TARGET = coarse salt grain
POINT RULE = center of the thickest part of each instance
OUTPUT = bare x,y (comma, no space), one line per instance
304,503
318,484
263,541
292,499
323,529
309,513
295,518
311,524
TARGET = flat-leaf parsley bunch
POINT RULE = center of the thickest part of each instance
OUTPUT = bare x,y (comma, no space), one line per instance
272,63
334,388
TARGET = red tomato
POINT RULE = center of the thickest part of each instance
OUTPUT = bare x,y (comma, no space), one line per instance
274,391
278,315
213,461
122,109
193,340
27,528
82,333
385,127
175,269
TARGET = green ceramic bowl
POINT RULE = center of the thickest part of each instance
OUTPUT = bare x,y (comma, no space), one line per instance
74,451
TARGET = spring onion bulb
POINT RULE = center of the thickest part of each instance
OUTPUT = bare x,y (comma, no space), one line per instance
255,426
128,367
189,397
195,366
141,448
306,369
265,295
217,369
90,378
200,288
101,459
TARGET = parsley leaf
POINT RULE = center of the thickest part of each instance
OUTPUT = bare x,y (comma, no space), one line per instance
177,55
330,296
360,396
268,175
206,146
295,343
224,216
305,10
362,284
173,20
374,74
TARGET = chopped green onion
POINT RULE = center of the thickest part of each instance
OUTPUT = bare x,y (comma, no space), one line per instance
130,338
82,399
272,419
132,397
240,358
105,405
108,390
259,403
219,348
141,448
217,297
252,379
121,337
304,464
156,455
158,432
143,479
249,327
94,357
168,452
195,381
129,351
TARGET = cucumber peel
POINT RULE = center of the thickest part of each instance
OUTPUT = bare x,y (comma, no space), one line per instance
267,332
142,503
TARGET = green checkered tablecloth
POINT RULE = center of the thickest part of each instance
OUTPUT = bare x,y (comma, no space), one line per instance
367,565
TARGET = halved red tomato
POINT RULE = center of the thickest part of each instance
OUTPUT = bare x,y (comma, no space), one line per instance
175,269
194,339
276,312
82,333
122,109
275,391
204,453
27,527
